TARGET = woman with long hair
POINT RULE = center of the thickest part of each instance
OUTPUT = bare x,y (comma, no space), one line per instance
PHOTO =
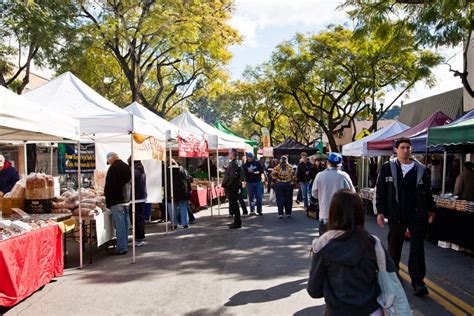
344,264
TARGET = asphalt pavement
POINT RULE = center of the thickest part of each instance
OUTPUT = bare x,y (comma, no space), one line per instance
208,269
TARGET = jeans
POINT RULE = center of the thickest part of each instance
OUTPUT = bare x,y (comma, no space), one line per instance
182,208
284,197
120,220
139,220
305,191
255,190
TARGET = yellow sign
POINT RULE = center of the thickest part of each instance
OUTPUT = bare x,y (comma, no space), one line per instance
362,134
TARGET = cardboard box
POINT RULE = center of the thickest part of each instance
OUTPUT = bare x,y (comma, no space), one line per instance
6,205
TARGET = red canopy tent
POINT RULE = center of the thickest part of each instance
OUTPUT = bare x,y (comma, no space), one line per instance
436,119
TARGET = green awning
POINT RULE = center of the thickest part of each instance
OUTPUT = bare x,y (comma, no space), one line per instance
457,133
226,130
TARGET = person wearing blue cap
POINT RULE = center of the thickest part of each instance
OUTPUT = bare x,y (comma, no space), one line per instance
253,171
326,184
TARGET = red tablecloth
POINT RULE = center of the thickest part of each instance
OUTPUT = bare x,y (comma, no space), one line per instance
199,197
215,192
28,262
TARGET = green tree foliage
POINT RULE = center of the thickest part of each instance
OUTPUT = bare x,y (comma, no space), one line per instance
162,47
433,23
32,31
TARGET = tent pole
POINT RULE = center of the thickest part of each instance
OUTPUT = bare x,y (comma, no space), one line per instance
172,191
79,180
25,158
132,167
218,184
210,182
445,157
363,173
165,198
51,159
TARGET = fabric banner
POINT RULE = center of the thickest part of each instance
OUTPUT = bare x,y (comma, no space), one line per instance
68,157
147,148
191,147
29,261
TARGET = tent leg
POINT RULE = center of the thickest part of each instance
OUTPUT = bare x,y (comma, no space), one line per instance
79,180
51,159
445,157
25,158
210,183
132,167
165,198
218,184
172,193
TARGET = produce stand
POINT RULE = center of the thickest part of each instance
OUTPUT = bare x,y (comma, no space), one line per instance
41,257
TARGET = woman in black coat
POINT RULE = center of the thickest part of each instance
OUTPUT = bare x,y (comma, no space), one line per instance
344,265
179,187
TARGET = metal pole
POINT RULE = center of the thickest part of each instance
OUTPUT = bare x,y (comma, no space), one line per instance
445,157
25,158
172,193
165,198
133,197
51,159
218,184
210,182
79,180
363,173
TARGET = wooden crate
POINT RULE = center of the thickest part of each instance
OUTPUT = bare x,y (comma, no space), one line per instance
6,205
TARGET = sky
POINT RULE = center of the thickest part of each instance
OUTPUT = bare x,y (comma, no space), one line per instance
266,23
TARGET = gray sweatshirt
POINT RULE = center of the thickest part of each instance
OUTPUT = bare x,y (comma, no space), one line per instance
326,184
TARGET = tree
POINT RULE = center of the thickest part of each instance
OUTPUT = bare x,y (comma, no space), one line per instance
32,31
433,23
163,47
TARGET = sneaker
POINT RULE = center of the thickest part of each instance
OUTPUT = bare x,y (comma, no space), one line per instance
253,214
288,215
245,214
280,216
185,226
420,290
259,214
140,243
234,226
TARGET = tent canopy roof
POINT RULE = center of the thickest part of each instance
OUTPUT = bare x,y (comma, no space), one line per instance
459,132
215,137
358,148
436,119
23,120
291,146
220,126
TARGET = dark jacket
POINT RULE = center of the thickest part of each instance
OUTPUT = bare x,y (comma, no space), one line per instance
303,172
406,198
8,177
118,175
233,176
313,172
253,171
140,181
344,272
180,184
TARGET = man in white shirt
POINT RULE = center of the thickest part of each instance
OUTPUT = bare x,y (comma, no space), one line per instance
326,184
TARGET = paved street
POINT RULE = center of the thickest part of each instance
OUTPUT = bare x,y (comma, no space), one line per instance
208,269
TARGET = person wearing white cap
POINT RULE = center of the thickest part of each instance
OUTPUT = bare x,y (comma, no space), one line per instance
117,196
8,176
326,184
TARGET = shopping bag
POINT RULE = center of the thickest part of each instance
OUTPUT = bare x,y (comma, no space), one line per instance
392,297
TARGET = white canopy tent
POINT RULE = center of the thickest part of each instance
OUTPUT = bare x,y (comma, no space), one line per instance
101,121
216,138
359,147
23,120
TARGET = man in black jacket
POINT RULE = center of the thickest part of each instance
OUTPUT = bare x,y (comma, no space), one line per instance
403,195
303,173
232,182
117,196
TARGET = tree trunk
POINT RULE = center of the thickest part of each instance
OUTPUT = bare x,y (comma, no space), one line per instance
332,142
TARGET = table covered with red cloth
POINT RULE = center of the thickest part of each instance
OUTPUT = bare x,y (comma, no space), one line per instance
199,197
28,262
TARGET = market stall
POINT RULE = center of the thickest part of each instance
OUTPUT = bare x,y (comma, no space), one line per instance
455,218
30,245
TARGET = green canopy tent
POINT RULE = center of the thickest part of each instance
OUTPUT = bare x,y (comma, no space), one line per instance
454,134
220,126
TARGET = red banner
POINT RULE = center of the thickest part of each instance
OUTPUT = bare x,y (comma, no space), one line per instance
191,147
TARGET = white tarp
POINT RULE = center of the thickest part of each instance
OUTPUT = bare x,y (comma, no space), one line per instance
215,137
151,118
359,147
23,120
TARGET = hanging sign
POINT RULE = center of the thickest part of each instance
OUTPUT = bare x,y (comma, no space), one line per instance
362,134
191,147
68,158
148,148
